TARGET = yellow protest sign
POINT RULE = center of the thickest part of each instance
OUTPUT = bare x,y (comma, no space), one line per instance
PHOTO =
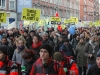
26,23
2,17
55,19
68,21
41,23
31,14
74,19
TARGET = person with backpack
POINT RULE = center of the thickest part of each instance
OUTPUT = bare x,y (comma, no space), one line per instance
69,66
45,64
7,67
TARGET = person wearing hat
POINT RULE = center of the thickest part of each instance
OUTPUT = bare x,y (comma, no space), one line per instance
68,63
95,69
45,65
12,69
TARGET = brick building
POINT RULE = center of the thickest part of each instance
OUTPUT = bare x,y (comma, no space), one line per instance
96,9
65,8
87,10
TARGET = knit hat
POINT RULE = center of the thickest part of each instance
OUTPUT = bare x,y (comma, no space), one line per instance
3,49
98,54
48,48
58,56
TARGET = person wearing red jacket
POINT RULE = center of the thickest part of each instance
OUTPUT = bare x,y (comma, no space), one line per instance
69,66
45,65
7,67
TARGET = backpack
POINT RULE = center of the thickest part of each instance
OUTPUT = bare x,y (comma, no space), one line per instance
10,63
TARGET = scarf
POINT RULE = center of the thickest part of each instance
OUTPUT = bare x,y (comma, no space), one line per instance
37,45
21,48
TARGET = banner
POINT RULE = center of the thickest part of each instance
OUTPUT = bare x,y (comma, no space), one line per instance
23,4
30,14
75,19
55,19
2,17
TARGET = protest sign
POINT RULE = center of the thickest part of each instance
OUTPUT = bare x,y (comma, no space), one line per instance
55,19
2,17
31,14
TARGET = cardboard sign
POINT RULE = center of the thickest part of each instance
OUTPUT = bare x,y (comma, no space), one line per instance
2,17
55,19
31,14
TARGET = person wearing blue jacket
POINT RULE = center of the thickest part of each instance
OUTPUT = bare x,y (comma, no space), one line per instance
67,48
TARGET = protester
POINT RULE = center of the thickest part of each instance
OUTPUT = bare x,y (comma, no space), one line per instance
67,48
69,66
30,37
60,43
10,51
45,39
20,50
91,48
45,64
5,67
81,58
95,69
30,58
36,44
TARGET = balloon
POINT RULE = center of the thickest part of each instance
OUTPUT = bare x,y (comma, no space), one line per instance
71,30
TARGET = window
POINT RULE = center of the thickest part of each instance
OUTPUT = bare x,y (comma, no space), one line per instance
51,11
11,4
84,9
50,1
42,11
84,17
43,0
2,3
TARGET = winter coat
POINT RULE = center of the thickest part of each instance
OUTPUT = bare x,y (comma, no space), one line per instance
36,49
81,58
53,68
29,66
71,66
17,57
89,50
8,69
59,45
94,70
68,50
74,42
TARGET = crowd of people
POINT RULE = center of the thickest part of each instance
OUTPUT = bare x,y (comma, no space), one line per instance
51,52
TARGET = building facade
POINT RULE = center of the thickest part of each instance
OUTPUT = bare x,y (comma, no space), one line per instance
87,10
99,11
8,6
96,10
65,8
